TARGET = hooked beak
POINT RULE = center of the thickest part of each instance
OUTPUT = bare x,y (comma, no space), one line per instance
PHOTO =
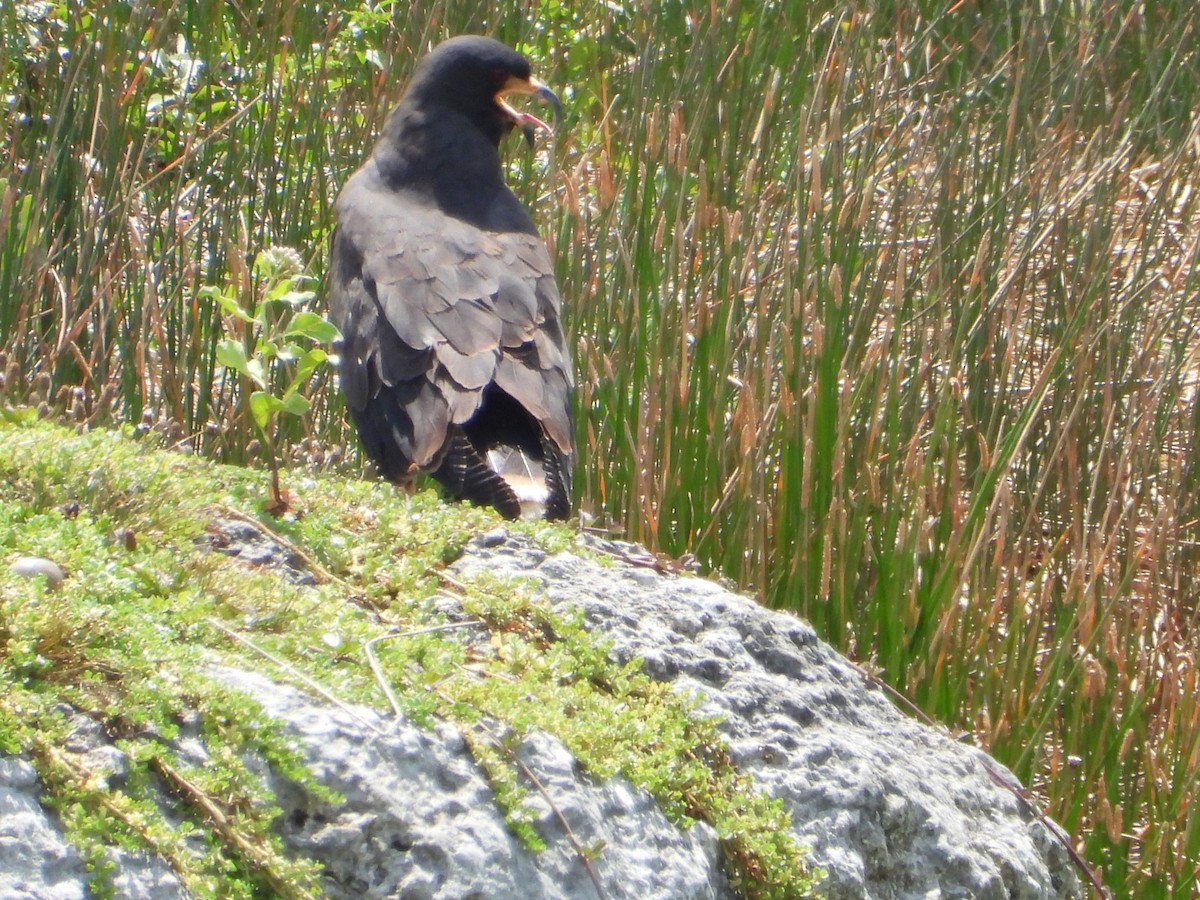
527,122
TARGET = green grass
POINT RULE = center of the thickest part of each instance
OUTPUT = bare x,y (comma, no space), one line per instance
885,310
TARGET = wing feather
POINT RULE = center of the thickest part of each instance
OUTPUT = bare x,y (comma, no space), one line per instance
461,402
471,371
469,326
429,411
433,311
395,360
516,306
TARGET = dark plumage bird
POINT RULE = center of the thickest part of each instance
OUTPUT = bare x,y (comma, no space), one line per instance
452,359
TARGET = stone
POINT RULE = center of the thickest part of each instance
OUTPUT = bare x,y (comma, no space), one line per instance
890,808
38,567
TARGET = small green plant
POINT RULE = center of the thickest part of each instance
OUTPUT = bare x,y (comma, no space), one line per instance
278,352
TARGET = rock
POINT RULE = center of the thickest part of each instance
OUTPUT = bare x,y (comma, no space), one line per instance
37,567
249,543
890,808
35,858
419,819
37,862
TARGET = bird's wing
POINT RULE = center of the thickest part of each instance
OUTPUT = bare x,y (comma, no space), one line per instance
433,310
533,368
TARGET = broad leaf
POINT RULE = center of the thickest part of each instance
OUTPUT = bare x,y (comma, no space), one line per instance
229,305
262,407
232,355
296,404
309,363
312,326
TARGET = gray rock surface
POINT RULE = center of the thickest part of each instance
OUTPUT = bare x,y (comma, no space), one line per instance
38,863
419,819
891,808
35,859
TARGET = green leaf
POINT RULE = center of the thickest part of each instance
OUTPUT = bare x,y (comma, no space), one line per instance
312,326
293,298
290,352
267,349
262,407
232,355
229,305
296,404
256,372
309,363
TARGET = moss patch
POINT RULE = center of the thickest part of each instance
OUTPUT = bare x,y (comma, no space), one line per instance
147,605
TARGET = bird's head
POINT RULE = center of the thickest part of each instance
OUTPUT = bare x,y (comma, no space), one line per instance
473,75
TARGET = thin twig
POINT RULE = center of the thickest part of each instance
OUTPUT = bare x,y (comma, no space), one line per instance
254,854
294,672
647,560
377,671
67,770
584,859
579,851
450,580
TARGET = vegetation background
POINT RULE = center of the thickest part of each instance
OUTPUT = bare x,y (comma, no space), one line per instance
886,310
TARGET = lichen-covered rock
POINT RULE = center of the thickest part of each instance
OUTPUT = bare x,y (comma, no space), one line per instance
419,819
890,808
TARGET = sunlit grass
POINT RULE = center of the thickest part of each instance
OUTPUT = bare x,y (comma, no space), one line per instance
887,312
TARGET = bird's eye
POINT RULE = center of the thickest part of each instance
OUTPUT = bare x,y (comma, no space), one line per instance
499,75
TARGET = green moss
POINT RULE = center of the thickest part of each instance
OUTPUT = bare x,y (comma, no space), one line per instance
145,608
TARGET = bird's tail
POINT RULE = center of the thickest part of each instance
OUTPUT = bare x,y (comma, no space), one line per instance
515,482
541,483
466,475
525,476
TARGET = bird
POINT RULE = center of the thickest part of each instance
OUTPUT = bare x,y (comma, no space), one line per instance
452,359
